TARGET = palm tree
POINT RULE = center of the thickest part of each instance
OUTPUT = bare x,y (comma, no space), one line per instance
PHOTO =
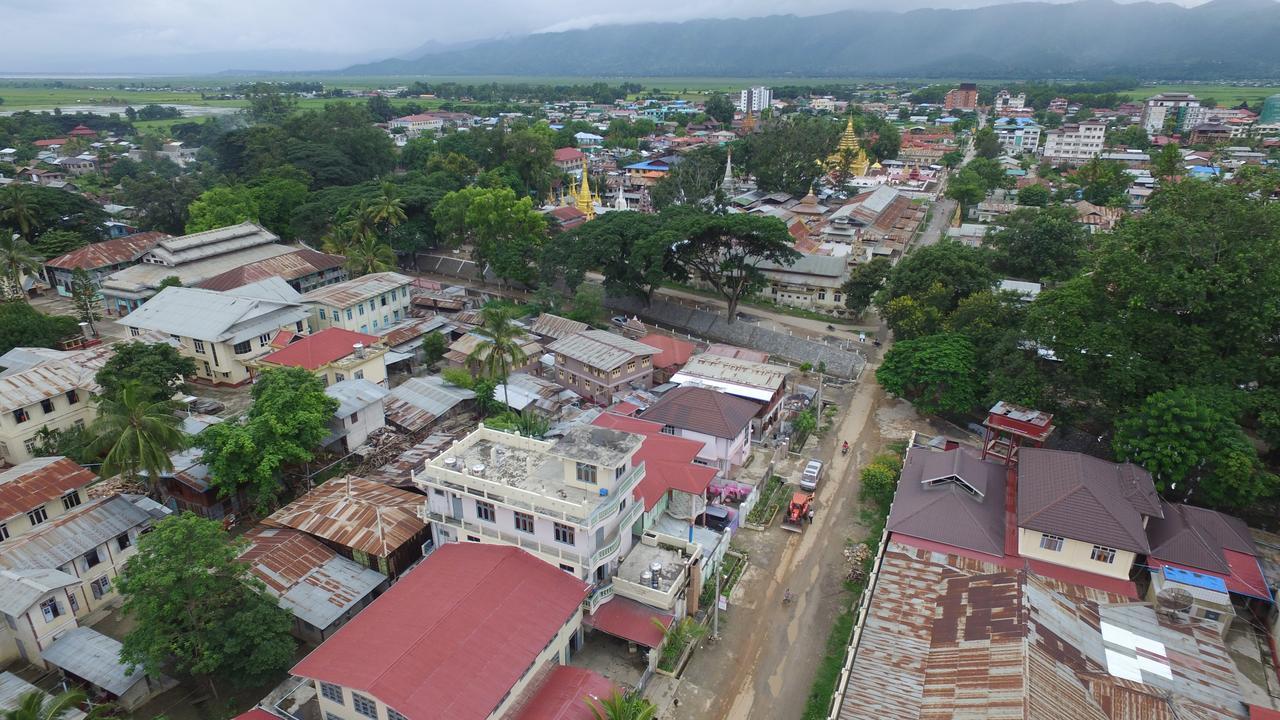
137,432
36,705
19,209
17,258
387,209
500,348
369,254
622,707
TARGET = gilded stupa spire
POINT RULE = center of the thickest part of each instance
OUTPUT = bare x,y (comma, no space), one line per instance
849,159
586,203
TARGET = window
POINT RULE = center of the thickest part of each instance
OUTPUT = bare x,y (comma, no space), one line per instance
46,405
1212,616
484,511
822,295
668,430
241,348
92,559
360,308
375,324
100,587
1051,542
50,609
4,532
348,313
404,292
587,473
30,445
1103,554
71,500
37,516
631,366
134,332
564,534
619,471
298,326
208,370
393,715
524,522
332,692
199,345
75,604
322,313
383,300
568,568
354,418
20,415
79,424
123,542
264,338
359,374
331,716
364,706
339,377
73,397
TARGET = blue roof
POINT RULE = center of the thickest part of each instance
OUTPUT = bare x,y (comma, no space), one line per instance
649,165
1020,122
1194,579
1204,170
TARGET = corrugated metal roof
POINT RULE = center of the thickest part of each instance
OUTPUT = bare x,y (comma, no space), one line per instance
417,402
355,513
144,278
88,654
311,581
355,395
20,589
66,538
219,241
410,331
289,266
553,326
948,636
37,481
601,349
352,291
109,252
231,316
14,688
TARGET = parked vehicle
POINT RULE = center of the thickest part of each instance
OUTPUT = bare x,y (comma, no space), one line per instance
716,518
799,511
811,476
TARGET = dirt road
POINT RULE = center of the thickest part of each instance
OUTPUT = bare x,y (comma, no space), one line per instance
763,666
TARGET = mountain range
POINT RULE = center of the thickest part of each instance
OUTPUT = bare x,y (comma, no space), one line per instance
1089,38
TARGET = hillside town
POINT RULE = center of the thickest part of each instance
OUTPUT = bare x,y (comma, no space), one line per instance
591,402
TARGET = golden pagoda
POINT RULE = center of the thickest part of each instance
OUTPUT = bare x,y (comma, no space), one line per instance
849,159
748,123
585,201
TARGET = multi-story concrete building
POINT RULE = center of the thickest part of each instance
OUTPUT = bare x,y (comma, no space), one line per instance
1075,142
335,355
43,388
222,331
364,304
602,365
60,551
1006,103
1160,107
753,100
1017,135
1270,111
964,97
417,125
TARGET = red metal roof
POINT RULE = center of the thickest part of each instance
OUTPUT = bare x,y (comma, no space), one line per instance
316,351
451,638
672,352
568,154
1261,713
110,252
668,460
630,620
564,695
257,714
36,482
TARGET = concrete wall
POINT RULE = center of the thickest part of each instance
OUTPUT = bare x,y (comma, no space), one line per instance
15,437
1074,554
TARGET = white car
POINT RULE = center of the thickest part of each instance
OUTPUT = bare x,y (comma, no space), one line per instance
811,475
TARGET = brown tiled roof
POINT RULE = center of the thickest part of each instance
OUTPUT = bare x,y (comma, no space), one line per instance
702,410
1189,535
1084,498
945,512
289,266
355,513
33,483
110,252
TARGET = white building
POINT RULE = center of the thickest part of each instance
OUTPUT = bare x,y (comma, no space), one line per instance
1017,135
754,99
418,125
1160,107
1075,142
1005,102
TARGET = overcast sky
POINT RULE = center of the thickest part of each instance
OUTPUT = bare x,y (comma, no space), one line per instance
183,36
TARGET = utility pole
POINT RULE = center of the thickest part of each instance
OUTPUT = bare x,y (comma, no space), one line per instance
715,608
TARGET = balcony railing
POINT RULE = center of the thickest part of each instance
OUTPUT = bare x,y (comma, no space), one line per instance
517,539
599,596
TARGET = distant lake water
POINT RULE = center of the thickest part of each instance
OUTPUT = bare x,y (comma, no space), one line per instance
186,110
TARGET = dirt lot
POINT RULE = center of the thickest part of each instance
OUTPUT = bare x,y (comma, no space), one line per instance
764,664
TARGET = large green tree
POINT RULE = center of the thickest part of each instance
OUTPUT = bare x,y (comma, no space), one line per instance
500,348
1039,244
197,611
1193,449
720,108
158,368
18,260
36,705
726,251
785,154
865,280
936,373
222,206
284,426
507,233
23,326
86,299
54,243
959,269
632,250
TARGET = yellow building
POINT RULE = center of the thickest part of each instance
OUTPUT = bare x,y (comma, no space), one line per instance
44,388
849,159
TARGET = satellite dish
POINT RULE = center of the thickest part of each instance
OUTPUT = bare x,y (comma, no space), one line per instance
1175,599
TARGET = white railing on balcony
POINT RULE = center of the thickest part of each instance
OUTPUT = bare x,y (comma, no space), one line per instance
599,596
516,539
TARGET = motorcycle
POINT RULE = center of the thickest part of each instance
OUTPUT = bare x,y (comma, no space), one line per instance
844,450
